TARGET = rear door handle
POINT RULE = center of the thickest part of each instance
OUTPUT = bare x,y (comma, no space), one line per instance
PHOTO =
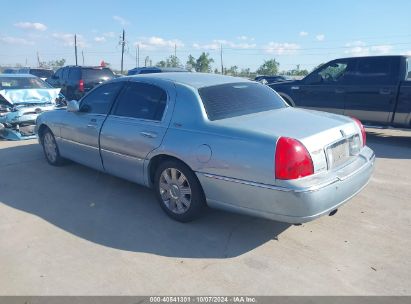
385,91
339,91
92,123
148,134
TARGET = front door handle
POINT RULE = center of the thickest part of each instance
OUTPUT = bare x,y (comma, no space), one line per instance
148,134
339,91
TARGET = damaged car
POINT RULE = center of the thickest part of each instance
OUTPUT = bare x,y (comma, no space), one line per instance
22,98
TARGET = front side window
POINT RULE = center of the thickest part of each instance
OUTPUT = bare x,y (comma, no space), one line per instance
99,100
236,99
142,101
335,72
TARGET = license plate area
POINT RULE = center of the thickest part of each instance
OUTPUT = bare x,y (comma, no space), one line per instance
338,153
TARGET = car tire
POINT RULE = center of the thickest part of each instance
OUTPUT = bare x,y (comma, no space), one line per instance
50,148
178,191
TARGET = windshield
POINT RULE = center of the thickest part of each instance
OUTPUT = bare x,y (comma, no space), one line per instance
236,99
17,83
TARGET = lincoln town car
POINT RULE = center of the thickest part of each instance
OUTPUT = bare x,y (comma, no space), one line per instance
206,140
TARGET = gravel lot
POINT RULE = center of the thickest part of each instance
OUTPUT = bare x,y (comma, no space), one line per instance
75,231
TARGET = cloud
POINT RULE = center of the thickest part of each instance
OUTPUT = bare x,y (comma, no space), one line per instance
360,48
281,48
245,38
110,34
68,39
217,43
31,26
381,49
303,34
100,39
152,43
408,53
320,37
15,41
120,20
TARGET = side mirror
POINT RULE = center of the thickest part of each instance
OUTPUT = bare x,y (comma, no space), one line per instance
73,106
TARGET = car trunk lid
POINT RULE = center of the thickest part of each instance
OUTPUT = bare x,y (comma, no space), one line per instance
326,136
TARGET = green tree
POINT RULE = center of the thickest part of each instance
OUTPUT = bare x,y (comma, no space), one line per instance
246,73
170,62
269,67
53,64
232,71
191,63
203,63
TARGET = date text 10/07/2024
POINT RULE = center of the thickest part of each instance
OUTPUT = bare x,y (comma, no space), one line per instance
205,299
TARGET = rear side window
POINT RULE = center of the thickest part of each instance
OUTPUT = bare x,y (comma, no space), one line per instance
90,74
59,73
65,74
99,100
236,99
374,71
141,100
74,74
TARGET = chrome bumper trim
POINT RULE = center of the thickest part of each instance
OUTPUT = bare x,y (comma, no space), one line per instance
317,187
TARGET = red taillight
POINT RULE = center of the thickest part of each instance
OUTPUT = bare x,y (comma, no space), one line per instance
363,135
292,159
81,85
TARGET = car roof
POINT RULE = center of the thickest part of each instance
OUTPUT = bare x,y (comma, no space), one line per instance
381,56
195,80
168,69
18,75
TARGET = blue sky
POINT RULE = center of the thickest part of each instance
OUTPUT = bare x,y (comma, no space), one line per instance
293,32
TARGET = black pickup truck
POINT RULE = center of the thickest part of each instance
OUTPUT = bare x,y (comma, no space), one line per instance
376,90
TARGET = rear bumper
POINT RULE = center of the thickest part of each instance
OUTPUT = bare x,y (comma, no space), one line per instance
296,204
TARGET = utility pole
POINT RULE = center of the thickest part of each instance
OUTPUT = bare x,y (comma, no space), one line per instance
138,56
221,58
175,50
75,46
82,55
38,60
122,42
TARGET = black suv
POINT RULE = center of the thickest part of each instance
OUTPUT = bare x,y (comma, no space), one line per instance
75,81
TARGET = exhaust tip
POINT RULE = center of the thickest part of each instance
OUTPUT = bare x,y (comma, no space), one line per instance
333,212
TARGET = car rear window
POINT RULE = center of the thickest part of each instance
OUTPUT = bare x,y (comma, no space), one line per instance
96,73
236,99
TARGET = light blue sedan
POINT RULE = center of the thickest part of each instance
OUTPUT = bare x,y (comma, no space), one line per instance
209,140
